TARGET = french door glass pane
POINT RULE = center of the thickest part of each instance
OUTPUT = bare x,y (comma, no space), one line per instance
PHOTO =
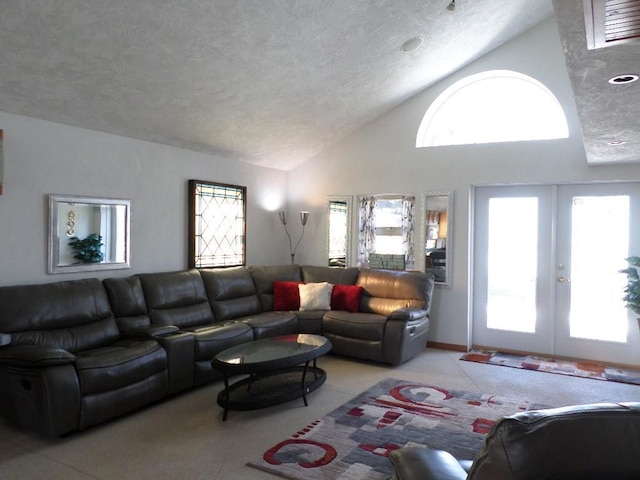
512,264
599,245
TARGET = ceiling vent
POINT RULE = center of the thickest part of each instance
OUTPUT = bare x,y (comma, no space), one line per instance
611,22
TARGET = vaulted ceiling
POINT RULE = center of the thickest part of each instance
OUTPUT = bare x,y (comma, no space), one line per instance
608,112
270,82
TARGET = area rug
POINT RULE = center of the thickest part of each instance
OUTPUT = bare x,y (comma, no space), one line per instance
354,441
550,365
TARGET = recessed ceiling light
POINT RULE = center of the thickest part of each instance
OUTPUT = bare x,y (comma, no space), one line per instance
616,142
623,79
412,44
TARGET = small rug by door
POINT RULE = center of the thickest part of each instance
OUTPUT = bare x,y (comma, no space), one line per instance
353,442
563,367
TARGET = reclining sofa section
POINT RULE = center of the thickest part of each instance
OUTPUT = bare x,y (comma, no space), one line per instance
77,353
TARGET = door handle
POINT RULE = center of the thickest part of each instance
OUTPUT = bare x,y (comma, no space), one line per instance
563,280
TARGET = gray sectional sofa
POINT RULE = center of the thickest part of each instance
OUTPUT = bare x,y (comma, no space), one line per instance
77,353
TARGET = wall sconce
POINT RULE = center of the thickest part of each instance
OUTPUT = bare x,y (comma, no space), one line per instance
304,216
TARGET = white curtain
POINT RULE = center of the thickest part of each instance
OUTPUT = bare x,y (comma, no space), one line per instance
408,230
367,233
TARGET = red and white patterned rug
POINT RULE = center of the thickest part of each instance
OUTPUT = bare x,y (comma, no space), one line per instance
592,370
353,442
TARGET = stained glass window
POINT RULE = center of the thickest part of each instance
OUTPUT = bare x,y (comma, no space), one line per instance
217,224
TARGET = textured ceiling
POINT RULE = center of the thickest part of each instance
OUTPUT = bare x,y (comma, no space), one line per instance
607,113
270,82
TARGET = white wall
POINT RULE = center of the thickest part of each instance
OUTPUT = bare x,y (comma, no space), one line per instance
42,157
382,158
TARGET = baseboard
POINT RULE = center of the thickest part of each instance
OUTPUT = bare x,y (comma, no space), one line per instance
447,346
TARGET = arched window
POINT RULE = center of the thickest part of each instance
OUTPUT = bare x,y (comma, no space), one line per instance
492,106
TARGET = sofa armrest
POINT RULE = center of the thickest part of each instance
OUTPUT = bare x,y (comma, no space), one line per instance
5,339
180,350
35,356
154,331
417,463
407,314
405,334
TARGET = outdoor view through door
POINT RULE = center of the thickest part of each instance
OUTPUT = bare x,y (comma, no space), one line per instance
546,276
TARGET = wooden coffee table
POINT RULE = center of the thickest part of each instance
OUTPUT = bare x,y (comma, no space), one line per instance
278,370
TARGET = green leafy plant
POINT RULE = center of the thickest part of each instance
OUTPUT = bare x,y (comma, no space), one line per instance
87,250
632,289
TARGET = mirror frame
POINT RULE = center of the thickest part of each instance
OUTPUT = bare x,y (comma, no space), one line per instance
54,234
349,202
423,233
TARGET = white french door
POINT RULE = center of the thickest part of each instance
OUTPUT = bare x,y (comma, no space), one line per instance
546,269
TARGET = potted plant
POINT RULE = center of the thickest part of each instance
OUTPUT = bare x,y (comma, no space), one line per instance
87,250
632,289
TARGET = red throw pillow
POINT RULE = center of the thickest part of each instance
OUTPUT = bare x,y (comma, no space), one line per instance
286,296
346,297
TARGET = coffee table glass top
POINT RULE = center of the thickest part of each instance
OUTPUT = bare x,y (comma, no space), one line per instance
303,346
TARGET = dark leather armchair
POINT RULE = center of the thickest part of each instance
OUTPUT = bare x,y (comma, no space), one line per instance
596,441
67,365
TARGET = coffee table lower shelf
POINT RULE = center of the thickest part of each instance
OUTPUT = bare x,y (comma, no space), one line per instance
271,388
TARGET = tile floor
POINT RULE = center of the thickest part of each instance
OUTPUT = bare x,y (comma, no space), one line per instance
185,438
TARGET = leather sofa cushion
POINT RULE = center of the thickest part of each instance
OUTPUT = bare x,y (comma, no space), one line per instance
596,441
123,363
126,296
73,338
35,356
310,321
264,276
336,276
236,307
212,339
173,289
413,463
386,290
272,324
176,298
127,302
361,326
231,292
52,305
183,317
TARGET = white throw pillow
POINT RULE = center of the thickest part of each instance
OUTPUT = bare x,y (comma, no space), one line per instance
315,296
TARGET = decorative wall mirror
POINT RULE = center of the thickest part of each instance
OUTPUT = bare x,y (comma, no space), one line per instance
437,235
339,212
87,234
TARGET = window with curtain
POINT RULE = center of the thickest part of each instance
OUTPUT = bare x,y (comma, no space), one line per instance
387,226
217,224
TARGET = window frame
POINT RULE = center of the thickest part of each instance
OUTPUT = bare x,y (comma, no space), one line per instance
362,252
193,234
450,96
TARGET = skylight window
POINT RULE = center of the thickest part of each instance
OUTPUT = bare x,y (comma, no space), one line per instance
490,107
